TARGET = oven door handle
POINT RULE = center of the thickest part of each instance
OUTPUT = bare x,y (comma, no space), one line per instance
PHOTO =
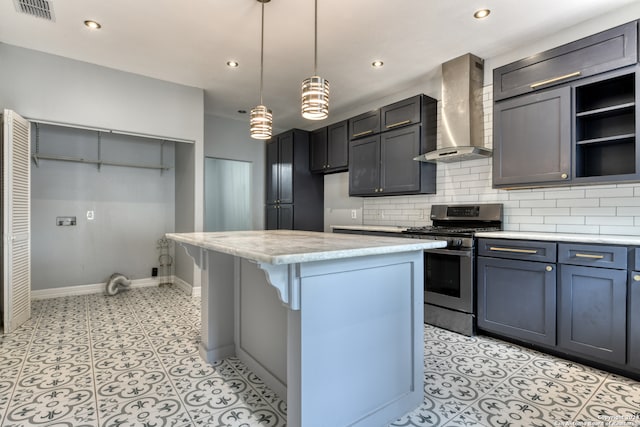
452,252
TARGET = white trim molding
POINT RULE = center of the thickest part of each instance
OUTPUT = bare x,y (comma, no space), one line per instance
99,288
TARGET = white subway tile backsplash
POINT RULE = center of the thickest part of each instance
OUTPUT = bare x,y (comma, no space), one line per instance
508,211
591,229
575,220
563,194
524,219
603,211
627,231
578,203
542,228
525,195
628,211
538,203
620,201
551,211
609,192
610,220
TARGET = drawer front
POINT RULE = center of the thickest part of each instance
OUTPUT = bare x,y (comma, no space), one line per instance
635,259
402,113
529,250
593,255
591,55
366,124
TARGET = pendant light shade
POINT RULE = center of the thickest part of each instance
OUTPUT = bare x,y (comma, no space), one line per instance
261,118
315,98
315,89
261,122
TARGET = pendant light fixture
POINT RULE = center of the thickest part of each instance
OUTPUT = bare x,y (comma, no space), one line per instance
261,118
315,89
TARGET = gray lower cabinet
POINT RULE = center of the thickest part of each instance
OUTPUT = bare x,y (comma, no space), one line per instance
279,217
517,299
592,312
633,340
532,139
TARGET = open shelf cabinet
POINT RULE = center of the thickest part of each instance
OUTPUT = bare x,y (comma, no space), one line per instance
605,127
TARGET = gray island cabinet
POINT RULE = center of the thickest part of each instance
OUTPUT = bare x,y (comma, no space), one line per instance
332,323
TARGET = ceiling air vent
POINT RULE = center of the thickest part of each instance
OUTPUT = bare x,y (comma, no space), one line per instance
38,8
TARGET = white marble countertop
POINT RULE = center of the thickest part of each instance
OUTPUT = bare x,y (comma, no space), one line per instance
384,228
288,247
563,237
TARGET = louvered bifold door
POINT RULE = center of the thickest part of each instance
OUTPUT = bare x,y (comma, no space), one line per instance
16,219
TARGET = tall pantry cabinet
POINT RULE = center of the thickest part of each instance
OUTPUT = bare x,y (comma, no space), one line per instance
294,198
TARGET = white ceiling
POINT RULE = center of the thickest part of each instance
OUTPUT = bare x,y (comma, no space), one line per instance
190,41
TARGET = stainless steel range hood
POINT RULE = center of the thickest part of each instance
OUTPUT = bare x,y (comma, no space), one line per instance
462,117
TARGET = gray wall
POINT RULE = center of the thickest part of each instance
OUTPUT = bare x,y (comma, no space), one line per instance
132,208
229,139
185,206
52,88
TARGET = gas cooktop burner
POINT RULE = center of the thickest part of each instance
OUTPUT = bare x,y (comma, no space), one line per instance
432,229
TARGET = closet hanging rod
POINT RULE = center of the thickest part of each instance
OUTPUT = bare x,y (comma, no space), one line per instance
37,157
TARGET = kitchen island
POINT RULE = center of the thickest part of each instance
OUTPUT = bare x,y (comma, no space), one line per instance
331,322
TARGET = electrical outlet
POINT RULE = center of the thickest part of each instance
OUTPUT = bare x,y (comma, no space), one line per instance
354,214
90,215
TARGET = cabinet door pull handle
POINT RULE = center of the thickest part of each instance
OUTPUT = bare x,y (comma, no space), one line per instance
514,250
404,122
592,256
548,268
366,132
555,79
381,190
636,278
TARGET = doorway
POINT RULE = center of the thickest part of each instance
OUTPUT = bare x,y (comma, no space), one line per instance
227,195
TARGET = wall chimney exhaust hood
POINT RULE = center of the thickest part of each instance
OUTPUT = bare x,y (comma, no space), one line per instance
462,120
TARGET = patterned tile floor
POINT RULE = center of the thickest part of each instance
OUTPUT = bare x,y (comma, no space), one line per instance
131,360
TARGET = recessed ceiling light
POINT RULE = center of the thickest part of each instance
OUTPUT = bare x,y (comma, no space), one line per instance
377,64
482,13
94,25
233,64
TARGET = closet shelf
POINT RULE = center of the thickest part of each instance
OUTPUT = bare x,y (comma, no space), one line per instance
38,157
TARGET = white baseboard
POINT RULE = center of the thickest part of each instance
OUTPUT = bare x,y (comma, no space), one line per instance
99,288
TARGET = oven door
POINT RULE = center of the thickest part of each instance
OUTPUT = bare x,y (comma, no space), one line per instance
448,279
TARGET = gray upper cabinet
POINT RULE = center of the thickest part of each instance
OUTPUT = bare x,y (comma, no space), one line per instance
330,148
383,164
318,150
592,55
532,139
568,115
365,124
402,113
364,168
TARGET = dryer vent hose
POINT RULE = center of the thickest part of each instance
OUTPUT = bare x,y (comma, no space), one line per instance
117,281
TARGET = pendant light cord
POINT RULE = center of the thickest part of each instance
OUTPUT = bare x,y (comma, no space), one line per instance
315,43
262,54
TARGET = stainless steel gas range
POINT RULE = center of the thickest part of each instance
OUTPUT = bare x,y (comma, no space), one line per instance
450,273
